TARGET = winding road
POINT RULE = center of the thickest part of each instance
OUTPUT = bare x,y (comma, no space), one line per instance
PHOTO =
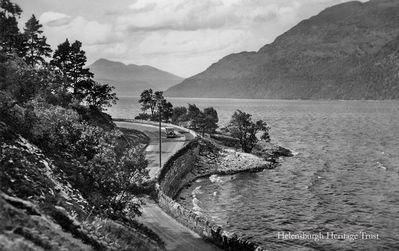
175,236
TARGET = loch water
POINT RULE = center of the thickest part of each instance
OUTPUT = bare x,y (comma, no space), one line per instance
343,179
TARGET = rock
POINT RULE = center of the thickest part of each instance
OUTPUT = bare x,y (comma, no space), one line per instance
281,151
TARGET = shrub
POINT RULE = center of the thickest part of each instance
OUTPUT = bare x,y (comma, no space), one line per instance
243,128
90,158
143,116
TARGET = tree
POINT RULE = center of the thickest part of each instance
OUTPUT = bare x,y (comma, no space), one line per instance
194,116
21,81
61,60
242,127
78,59
158,100
167,110
154,101
207,120
11,40
106,169
96,94
147,101
35,44
179,114
70,60
210,119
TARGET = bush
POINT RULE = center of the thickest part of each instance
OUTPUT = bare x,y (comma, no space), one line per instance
91,158
243,128
143,116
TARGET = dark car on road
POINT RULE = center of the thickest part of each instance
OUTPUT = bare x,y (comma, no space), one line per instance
170,132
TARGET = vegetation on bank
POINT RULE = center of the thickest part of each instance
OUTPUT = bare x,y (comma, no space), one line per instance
245,130
241,126
191,117
61,157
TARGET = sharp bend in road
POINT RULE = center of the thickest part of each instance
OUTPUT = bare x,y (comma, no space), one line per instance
175,236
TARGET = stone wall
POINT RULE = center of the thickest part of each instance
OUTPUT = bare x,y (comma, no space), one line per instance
205,227
171,180
176,168
226,140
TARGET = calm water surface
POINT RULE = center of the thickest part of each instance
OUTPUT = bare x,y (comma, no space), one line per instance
344,178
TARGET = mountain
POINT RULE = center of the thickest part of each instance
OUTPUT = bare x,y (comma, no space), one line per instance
348,51
131,80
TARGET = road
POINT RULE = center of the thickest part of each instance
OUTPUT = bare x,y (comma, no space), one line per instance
175,236
169,145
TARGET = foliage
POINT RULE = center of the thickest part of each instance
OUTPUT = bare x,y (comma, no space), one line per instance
123,237
58,149
69,60
210,120
36,45
52,107
97,94
155,102
90,158
147,101
204,121
143,116
179,115
20,81
193,114
10,37
166,110
242,127
117,178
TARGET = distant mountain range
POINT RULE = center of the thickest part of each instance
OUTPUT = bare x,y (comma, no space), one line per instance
348,51
131,80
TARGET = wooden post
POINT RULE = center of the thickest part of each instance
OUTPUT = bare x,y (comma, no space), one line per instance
160,141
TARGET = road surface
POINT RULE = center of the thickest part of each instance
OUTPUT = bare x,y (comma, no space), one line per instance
169,145
175,236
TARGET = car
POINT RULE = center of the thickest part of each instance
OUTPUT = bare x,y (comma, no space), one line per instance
170,132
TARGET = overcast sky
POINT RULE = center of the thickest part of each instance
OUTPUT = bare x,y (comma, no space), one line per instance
183,37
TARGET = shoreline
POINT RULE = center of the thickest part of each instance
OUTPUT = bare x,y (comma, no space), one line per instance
227,162
203,158
198,158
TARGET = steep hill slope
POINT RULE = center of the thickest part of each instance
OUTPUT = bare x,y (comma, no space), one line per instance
130,80
41,210
348,51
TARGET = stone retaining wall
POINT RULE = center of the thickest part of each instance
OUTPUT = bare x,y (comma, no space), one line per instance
171,180
171,176
205,227
226,140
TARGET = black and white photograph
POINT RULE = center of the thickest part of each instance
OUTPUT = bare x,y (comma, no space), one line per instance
199,125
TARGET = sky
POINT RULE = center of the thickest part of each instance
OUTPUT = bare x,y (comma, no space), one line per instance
183,37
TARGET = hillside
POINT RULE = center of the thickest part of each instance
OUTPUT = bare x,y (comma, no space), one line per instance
130,80
40,210
69,179
348,51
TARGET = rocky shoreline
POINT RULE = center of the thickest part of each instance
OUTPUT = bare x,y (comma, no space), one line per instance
215,157
202,158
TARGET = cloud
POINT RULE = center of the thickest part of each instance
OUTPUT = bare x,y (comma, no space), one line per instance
192,15
175,15
78,28
191,42
54,18
182,36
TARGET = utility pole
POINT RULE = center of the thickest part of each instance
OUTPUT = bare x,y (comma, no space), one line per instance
160,141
